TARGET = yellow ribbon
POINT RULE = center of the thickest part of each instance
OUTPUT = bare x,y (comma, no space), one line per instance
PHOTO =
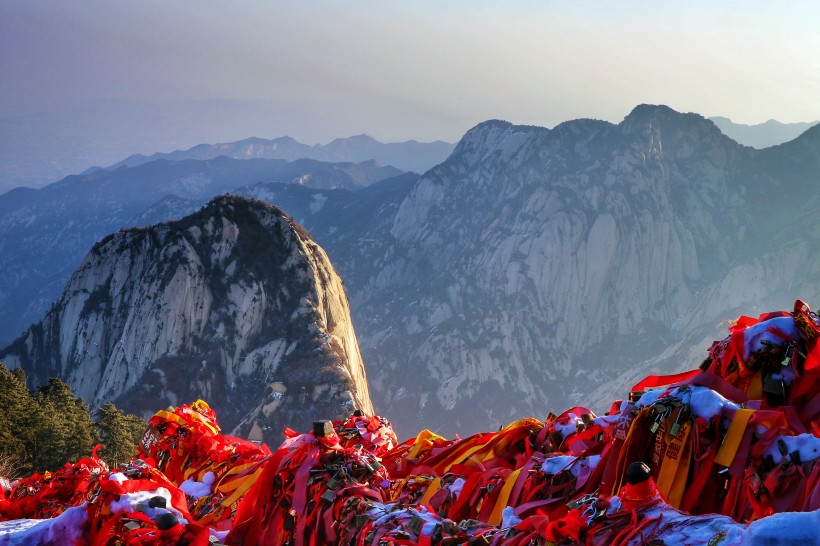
503,497
731,442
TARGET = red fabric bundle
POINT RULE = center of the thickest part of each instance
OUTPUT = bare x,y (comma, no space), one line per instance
739,437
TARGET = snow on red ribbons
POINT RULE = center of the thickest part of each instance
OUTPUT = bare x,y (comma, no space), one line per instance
731,453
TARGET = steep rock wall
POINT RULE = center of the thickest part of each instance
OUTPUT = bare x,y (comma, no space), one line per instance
235,304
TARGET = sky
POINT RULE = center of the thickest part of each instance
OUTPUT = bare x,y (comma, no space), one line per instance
90,81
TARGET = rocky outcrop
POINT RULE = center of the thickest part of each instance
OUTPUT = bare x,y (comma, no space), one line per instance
235,304
536,267
45,233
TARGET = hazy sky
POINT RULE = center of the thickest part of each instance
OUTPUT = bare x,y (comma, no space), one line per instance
106,76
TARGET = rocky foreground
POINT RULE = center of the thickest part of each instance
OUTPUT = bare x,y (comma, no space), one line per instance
726,454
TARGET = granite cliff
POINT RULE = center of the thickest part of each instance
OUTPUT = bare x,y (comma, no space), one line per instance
235,304
537,267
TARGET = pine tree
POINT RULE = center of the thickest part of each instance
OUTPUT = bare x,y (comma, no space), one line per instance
45,430
136,429
119,434
65,429
17,422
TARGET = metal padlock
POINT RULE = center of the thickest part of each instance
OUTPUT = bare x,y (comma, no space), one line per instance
657,422
450,527
774,387
787,360
574,505
416,525
332,483
673,431
329,495
322,428
579,502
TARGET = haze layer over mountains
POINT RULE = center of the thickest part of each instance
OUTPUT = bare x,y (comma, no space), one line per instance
530,268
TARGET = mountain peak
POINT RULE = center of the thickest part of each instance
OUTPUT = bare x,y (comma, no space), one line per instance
235,303
681,132
359,139
646,110
655,114
483,138
499,123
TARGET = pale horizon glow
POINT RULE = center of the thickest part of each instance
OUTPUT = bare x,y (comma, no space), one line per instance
153,76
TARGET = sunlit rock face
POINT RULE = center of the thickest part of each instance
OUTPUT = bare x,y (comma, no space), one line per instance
45,233
537,268
234,304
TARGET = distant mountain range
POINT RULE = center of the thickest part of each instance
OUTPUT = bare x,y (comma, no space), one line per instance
532,268
18,169
408,156
762,135
27,159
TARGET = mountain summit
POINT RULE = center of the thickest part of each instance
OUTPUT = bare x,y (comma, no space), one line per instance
536,266
235,304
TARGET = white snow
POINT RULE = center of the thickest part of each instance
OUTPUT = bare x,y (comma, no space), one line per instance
703,401
706,403
794,528
66,529
755,335
606,421
807,444
554,465
570,427
648,398
219,535
508,518
456,487
129,501
558,463
196,489
118,477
